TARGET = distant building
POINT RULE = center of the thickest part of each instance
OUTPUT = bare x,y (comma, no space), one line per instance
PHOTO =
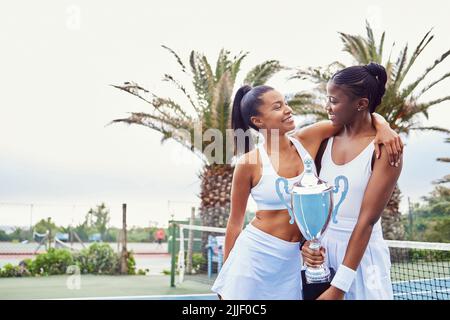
62,236
96,237
11,229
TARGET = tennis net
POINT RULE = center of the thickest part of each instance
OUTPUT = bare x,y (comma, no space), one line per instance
419,270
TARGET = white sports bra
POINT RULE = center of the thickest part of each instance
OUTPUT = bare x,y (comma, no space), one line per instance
264,193
357,172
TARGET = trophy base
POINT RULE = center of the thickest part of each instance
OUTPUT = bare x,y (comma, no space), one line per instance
311,291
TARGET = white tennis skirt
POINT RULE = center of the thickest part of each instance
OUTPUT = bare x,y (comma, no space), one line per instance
373,280
260,267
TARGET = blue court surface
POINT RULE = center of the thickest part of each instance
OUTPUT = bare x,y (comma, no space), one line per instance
422,289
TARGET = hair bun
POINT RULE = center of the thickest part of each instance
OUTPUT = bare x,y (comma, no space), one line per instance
379,73
377,70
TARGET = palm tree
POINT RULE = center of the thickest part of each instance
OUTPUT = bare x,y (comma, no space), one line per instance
401,105
98,218
446,178
206,106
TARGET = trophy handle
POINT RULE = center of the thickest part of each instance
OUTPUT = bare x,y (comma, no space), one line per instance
343,195
280,195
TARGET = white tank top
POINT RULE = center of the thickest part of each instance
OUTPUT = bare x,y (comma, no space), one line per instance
264,193
357,172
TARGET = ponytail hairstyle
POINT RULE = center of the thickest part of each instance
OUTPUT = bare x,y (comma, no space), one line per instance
367,81
245,105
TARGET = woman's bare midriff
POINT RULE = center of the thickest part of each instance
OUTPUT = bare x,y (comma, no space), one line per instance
276,223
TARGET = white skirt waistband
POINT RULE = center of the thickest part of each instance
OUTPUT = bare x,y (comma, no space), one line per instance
345,227
268,240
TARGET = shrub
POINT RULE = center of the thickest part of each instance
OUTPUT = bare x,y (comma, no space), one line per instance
168,273
99,258
10,270
142,272
198,261
54,262
4,236
429,255
131,262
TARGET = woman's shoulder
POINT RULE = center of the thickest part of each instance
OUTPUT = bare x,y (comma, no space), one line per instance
249,159
308,145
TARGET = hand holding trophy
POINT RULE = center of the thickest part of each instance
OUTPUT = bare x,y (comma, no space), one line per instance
311,207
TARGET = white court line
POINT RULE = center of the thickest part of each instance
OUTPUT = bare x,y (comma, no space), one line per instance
421,292
420,280
168,296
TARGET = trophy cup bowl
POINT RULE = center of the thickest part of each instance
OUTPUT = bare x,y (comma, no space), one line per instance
312,213
311,207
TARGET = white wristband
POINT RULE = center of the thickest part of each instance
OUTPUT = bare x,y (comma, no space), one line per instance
343,278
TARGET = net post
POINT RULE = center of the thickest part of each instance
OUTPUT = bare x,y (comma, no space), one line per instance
172,268
190,243
124,253
181,256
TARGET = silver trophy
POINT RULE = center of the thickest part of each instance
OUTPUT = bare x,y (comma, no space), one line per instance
312,207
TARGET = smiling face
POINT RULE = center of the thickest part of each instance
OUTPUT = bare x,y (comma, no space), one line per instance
342,106
274,113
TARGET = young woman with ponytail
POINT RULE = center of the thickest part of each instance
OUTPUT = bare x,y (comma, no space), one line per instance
263,261
354,241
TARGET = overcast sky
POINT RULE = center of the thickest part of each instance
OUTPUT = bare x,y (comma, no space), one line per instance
58,58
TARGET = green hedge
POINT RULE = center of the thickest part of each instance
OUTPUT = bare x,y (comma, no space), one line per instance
429,255
99,258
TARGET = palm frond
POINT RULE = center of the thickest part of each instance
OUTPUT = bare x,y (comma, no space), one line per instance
399,67
314,110
170,107
380,47
422,107
371,46
390,73
168,77
131,87
407,91
159,107
420,47
301,98
180,62
356,46
221,102
445,179
202,77
164,127
400,106
306,103
432,128
236,65
261,73
159,126
210,99
318,75
147,118
223,63
425,89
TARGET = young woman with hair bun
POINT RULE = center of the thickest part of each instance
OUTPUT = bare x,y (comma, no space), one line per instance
354,241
